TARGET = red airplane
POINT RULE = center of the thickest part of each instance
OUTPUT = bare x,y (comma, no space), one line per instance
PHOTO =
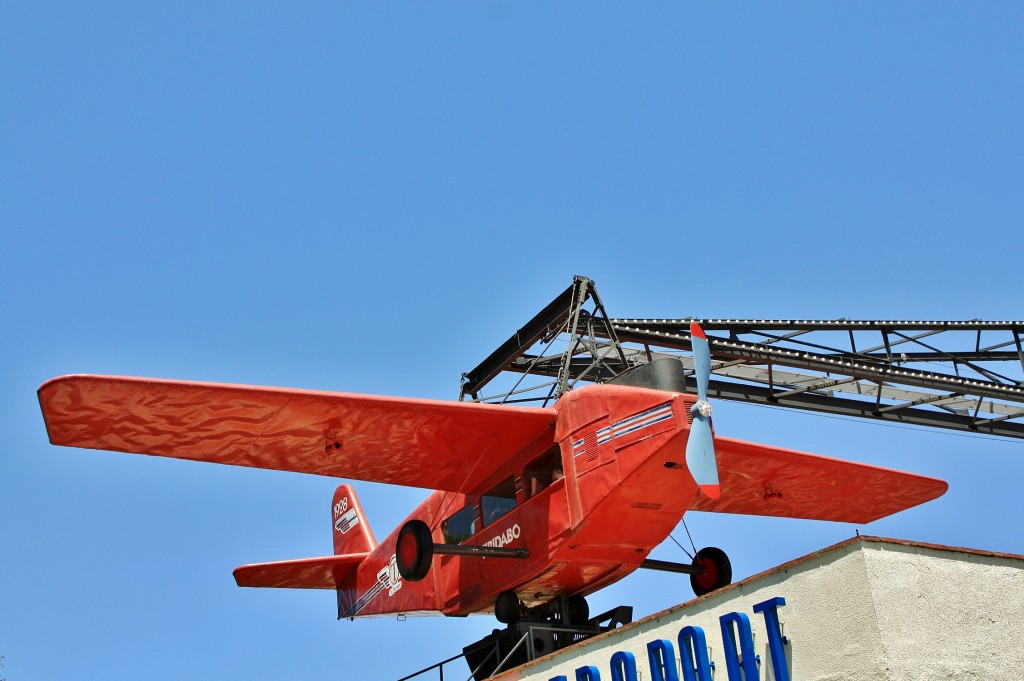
535,508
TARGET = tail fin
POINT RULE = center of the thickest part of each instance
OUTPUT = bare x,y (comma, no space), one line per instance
353,542
352,534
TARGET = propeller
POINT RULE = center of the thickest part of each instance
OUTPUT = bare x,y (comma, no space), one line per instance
700,446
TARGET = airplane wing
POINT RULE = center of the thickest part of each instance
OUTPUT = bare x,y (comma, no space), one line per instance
418,443
328,572
757,479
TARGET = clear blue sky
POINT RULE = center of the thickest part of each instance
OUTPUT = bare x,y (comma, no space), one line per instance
370,197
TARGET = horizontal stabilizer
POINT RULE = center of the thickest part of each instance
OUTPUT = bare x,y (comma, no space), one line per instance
329,572
758,479
431,444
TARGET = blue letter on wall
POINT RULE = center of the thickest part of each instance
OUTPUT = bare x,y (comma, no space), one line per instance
693,648
746,647
623,666
770,608
588,673
662,658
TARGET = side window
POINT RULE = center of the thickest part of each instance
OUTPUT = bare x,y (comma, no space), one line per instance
542,471
499,500
461,526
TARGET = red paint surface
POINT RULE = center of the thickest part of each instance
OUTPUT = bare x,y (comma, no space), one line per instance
624,490
417,443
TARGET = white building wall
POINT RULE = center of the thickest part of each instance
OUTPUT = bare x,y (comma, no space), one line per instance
948,614
866,609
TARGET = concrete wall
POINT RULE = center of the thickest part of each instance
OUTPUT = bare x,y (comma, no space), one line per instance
864,609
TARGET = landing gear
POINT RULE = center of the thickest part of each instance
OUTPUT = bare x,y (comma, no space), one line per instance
713,570
414,551
576,610
507,608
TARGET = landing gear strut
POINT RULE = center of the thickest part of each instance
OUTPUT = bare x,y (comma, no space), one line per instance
709,570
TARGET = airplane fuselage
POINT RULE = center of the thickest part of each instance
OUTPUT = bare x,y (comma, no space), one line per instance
588,511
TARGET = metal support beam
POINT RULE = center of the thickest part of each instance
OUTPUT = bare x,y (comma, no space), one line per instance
755,353
863,409
482,551
546,321
950,381
924,400
741,326
814,387
666,566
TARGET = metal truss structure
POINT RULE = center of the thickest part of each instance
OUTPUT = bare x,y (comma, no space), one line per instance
961,375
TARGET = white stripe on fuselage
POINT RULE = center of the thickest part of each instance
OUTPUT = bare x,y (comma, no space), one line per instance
628,425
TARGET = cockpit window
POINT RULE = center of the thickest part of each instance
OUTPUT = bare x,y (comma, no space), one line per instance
499,500
542,471
461,526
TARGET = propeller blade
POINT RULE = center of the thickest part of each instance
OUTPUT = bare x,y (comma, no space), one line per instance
700,446
700,456
701,360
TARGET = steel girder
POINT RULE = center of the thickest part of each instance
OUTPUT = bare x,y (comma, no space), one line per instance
923,373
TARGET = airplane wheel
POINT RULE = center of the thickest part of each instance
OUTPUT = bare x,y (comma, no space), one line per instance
577,610
507,608
414,550
716,571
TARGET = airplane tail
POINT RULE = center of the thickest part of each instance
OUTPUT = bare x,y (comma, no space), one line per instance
352,534
353,542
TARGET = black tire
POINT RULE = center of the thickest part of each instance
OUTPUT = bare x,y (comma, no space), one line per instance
414,550
507,608
716,571
577,611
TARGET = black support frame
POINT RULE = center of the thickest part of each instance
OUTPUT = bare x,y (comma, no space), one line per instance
952,381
